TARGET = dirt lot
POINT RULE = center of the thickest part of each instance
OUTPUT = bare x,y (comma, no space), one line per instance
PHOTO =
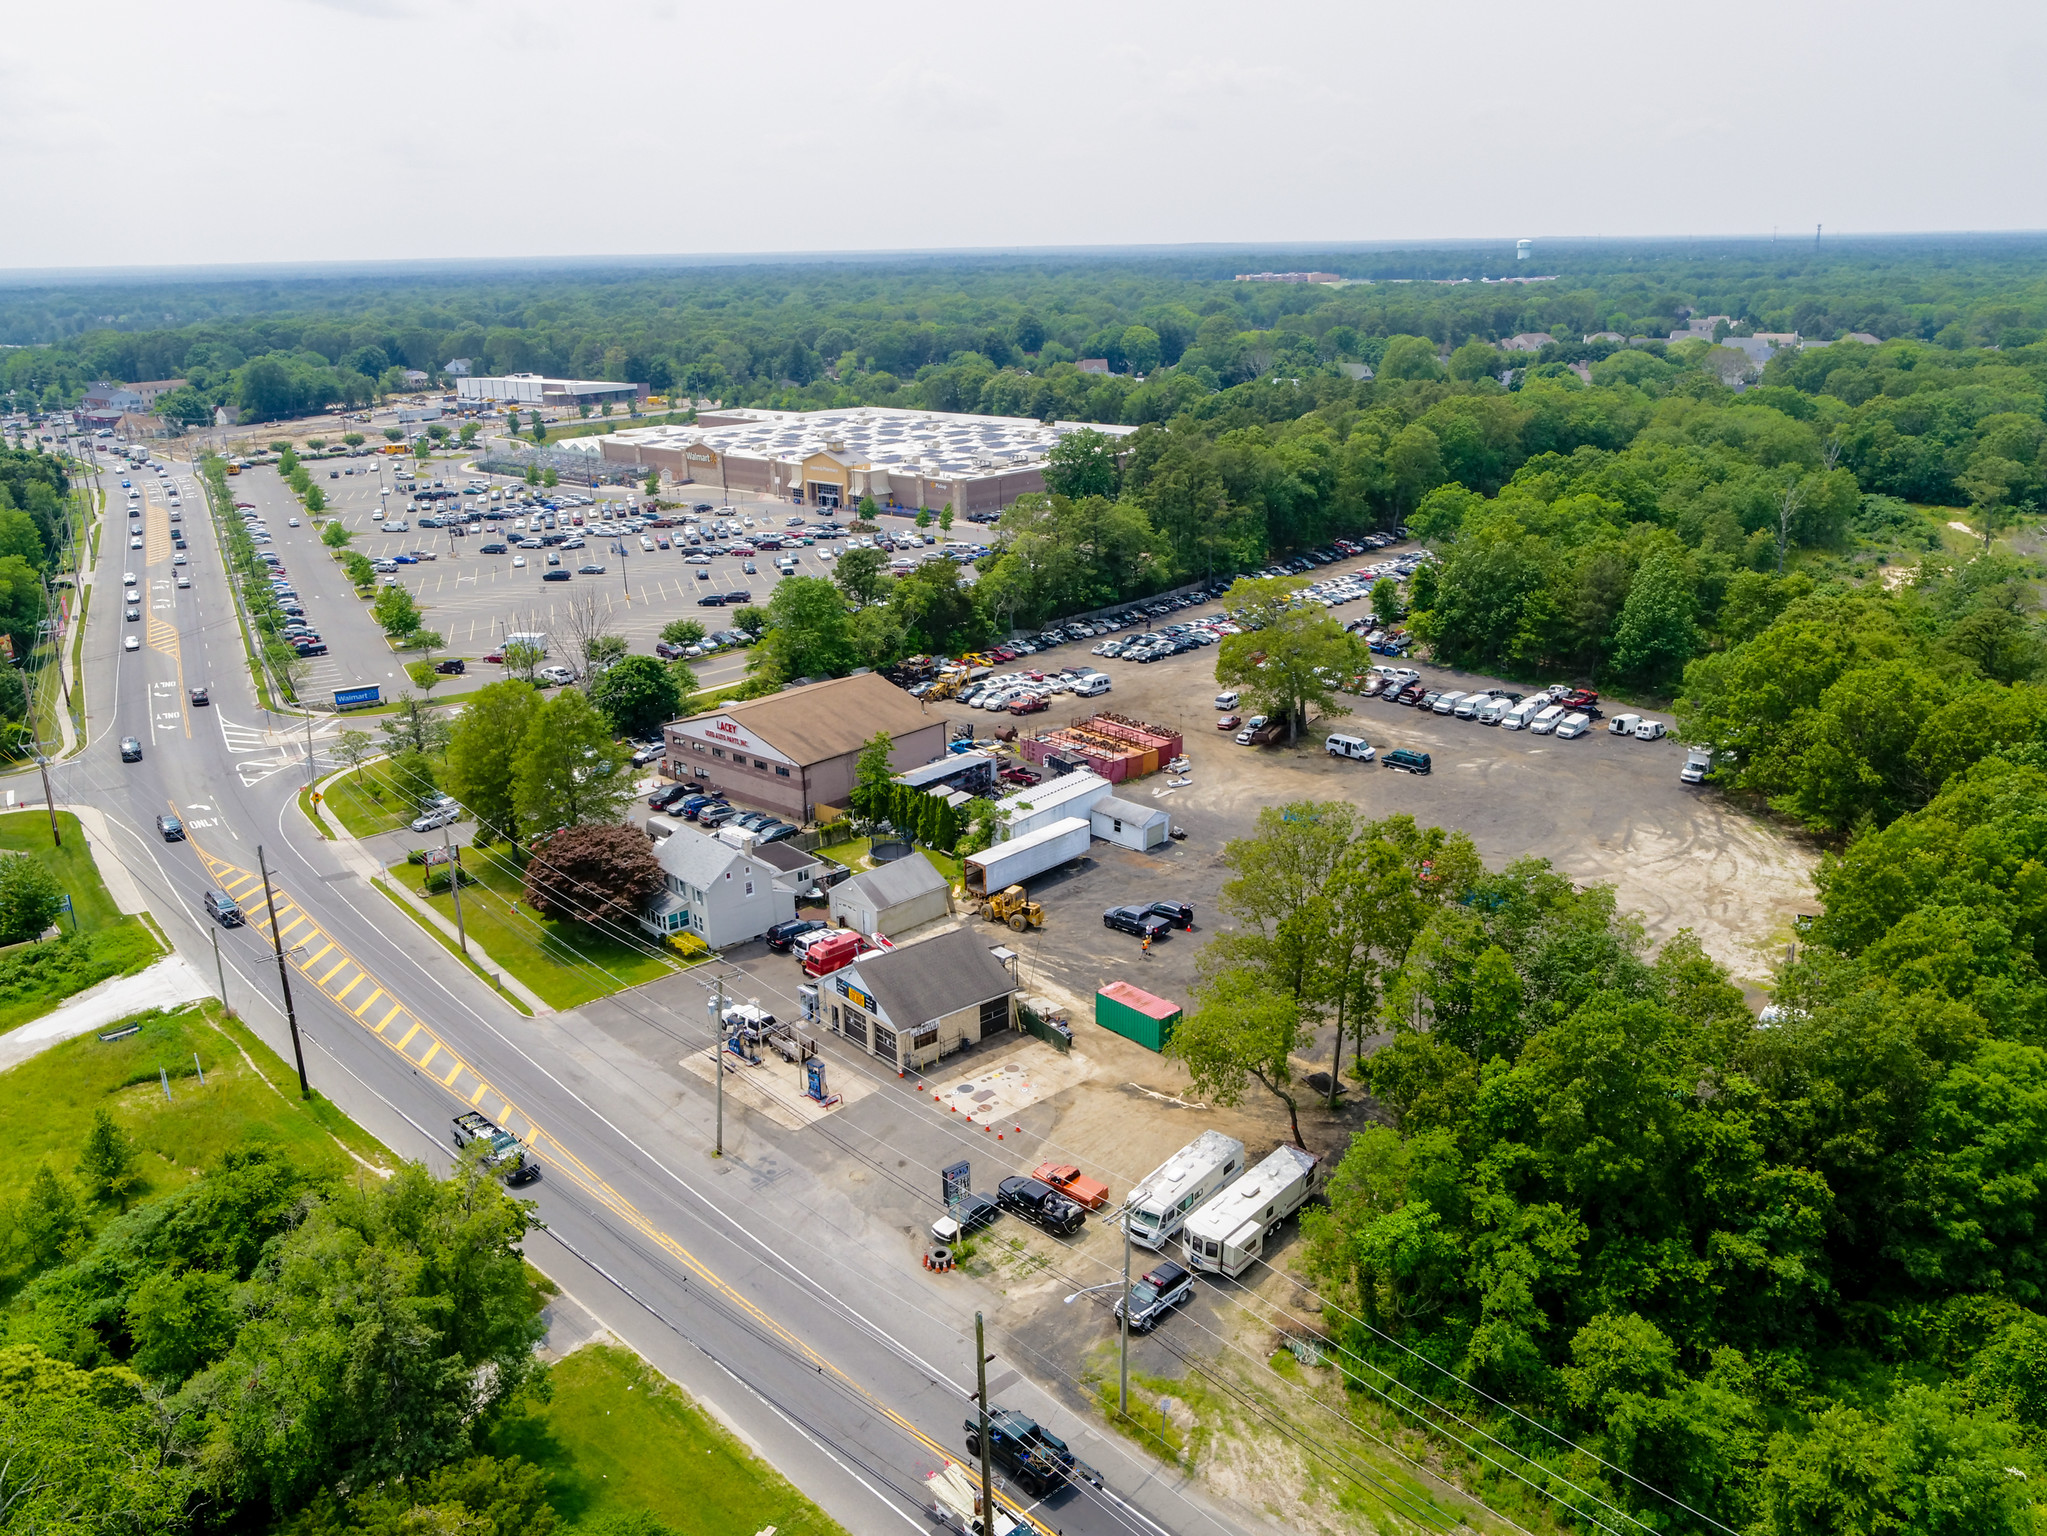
1599,808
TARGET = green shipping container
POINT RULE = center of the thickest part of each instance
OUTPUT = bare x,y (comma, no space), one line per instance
1136,1015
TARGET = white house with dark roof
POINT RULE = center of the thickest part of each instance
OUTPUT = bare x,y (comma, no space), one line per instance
722,894
912,1005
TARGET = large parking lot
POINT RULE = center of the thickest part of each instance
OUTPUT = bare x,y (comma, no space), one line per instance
1600,808
473,599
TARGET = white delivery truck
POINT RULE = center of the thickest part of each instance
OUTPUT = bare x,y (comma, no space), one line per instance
1161,1203
1698,763
1227,1235
1011,863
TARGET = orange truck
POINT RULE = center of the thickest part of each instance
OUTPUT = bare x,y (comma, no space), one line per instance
1073,1184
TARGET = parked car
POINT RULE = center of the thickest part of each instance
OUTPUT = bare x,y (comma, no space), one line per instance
1139,921
1179,913
666,796
1083,1191
1403,760
433,820
974,1213
1251,728
1229,722
1041,1205
782,935
1159,1290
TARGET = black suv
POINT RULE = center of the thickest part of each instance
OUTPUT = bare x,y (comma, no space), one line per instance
1041,1205
1142,921
782,935
1154,1294
1024,1448
1179,913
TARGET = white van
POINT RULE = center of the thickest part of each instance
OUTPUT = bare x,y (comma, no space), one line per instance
1546,721
1469,706
1650,730
1517,718
1227,1235
1093,684
1572,726
1354,747
1492,711
1449,699
1623,725
1163,1200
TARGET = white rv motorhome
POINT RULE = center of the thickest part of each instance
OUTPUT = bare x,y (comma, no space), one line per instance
1160,1204
1228,1233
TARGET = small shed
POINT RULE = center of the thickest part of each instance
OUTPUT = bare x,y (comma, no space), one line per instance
1127,825
1136,1015
892,899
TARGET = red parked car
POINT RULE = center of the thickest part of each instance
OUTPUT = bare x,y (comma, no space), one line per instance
1030,704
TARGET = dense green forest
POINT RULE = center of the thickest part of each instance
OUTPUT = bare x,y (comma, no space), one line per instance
1627,1249
989,333
272,1337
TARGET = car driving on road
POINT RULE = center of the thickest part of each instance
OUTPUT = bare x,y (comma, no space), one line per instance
173,830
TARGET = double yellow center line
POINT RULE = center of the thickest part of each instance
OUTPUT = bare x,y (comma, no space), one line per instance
348,983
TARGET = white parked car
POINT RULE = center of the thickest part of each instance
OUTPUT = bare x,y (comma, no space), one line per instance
439,816
291,522
518,562
1226,700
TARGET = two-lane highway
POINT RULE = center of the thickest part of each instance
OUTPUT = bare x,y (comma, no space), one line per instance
761,1281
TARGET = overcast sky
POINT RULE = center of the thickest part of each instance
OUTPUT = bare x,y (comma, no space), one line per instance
292,130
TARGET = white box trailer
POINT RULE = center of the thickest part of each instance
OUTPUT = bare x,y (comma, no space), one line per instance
1163,1200
1071,794
1227,1235
1011,863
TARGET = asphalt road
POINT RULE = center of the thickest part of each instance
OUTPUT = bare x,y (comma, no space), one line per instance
776,1292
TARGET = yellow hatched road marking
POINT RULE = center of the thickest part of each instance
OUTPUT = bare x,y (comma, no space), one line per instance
433,1049
360,977
407,1039
365,1008
481,1089
339,966
241,884
385,1022
453,1073
312,960
297,922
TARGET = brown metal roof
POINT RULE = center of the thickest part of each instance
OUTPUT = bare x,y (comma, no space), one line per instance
820,721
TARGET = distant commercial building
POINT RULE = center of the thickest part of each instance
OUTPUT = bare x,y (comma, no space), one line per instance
105,404
793,751
906,460
1288,277
531,389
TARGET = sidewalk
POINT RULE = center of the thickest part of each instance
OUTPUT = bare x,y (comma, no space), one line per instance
166,984
364,863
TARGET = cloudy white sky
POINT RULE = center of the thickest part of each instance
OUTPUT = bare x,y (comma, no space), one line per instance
291,130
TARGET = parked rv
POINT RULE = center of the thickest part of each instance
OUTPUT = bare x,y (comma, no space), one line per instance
1160,1204
1228,1234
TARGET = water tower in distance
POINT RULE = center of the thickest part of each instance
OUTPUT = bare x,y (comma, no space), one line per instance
1522,248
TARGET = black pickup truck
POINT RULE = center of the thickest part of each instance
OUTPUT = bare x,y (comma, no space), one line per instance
1041,1205
1025,1449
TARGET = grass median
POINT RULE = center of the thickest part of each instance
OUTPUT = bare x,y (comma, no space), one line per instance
566,964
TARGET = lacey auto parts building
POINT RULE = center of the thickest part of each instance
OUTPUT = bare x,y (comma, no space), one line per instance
796,750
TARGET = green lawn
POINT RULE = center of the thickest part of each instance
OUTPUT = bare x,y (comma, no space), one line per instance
619,1437
854,856
565,963
369,800
48,1101
37,976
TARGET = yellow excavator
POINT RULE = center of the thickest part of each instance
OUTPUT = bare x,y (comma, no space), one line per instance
1011,906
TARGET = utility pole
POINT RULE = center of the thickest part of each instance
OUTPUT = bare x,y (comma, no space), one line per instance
283,980
455,885
981,1396
1123,1370
220,970
50,800
718,1061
